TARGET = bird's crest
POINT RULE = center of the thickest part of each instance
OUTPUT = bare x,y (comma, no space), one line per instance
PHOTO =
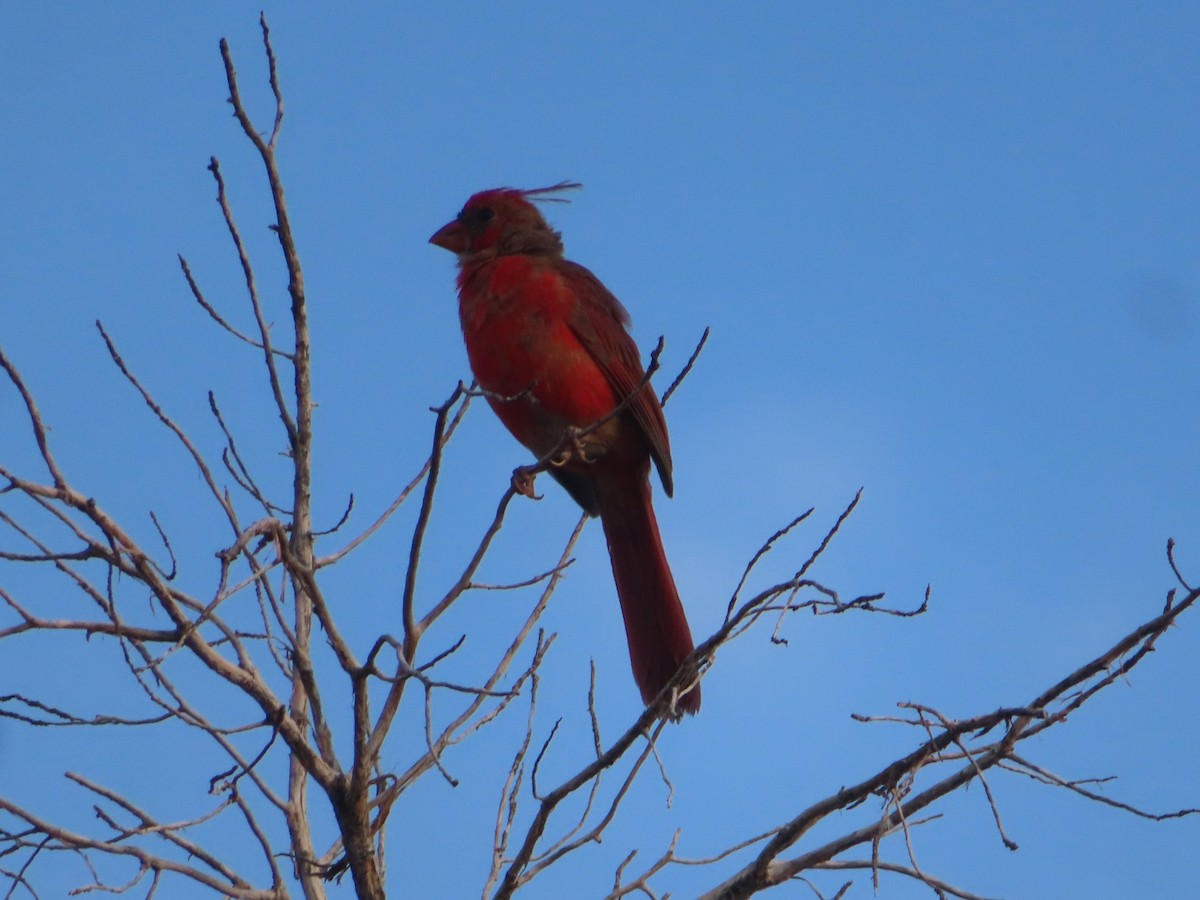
539,195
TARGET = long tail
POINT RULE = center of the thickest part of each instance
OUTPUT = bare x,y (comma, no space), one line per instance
655,624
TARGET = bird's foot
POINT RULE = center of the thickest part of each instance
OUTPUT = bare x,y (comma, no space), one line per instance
522,482
572,448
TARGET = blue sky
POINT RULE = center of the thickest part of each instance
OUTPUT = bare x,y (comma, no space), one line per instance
948,252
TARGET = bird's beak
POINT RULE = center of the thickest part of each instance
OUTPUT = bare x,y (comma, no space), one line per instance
452,236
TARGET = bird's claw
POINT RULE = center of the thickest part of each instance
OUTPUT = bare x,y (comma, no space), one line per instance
573,449
522,482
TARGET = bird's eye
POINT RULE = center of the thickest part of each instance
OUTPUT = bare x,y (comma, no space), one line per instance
476,217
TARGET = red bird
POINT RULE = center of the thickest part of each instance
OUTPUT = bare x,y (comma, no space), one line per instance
548,343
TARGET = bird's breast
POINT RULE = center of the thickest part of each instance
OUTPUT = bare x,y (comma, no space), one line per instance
516,319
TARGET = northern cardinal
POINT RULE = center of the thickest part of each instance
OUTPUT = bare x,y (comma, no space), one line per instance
549,346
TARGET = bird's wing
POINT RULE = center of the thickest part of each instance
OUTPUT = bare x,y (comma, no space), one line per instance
600,322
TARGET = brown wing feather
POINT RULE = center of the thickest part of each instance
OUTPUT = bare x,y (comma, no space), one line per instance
600,323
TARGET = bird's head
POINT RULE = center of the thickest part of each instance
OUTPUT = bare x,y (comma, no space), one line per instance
502,221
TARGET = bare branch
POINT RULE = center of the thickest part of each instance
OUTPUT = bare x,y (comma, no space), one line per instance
198,295
406,491
35,420
1017,763
166,420
939,886
52,716
1020,724
687,367
62,838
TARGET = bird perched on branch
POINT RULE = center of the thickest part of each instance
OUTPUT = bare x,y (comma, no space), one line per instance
549,345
